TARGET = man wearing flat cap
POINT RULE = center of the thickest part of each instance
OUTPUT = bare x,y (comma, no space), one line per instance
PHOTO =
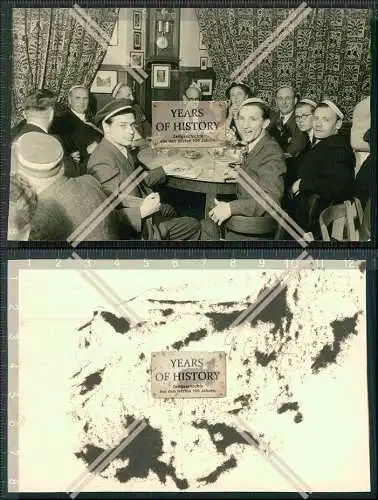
78,133
64,204
326,171
112,163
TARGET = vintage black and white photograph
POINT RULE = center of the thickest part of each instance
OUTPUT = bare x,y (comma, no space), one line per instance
104,82
206,86
137,20
203,62
161,76
293,164
136,59
137,40
292,417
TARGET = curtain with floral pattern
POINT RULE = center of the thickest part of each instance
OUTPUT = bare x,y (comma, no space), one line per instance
51,49
326,56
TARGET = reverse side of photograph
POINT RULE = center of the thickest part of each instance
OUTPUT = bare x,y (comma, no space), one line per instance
191,379
292,165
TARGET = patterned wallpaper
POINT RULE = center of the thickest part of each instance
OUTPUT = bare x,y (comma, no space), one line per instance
327,55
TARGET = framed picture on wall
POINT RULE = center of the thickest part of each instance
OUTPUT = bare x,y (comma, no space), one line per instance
203,62
104,82
137,40
206,86
137,19
161,76
136,59
202,45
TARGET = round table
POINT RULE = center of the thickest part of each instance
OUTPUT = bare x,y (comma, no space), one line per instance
210,180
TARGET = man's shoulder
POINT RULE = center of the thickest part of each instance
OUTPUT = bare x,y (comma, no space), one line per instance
337,141
104,150
270,144
24,128
69,187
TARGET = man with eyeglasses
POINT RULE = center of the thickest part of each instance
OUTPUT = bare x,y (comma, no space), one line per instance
303,117
326,171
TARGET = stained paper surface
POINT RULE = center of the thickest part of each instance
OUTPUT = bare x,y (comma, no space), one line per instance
296,378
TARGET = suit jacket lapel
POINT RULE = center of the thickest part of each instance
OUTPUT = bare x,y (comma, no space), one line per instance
86,123
127,163
258,147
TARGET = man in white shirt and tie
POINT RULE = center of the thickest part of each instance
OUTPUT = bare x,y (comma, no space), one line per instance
284,128
78,133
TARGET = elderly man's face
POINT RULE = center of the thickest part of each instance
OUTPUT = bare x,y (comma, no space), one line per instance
304,117
78,100
251,122
285,100
325,123
192,94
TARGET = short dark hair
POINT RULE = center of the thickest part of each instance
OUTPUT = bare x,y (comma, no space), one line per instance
40,100
244,86
23,199
128,111
264,108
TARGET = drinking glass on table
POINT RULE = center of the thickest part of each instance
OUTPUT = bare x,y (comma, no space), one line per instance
162,155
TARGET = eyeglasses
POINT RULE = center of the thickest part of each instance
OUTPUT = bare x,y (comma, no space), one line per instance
300,117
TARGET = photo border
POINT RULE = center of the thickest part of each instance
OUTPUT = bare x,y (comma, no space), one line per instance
158,85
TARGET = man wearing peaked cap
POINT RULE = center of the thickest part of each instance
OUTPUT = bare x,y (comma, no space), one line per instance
112,163
76,129
326,171
63,203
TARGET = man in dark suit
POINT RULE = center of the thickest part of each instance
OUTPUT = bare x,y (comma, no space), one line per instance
326,171
78,133
283,126
284,129
265,165
112,163
64,204
38,112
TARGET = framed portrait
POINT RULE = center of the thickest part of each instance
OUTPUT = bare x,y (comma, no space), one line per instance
136,59
104,82
206,86
114,39
137,19
203,62
202,45
161,76
137,40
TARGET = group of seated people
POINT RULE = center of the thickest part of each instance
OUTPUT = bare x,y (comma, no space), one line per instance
74,176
